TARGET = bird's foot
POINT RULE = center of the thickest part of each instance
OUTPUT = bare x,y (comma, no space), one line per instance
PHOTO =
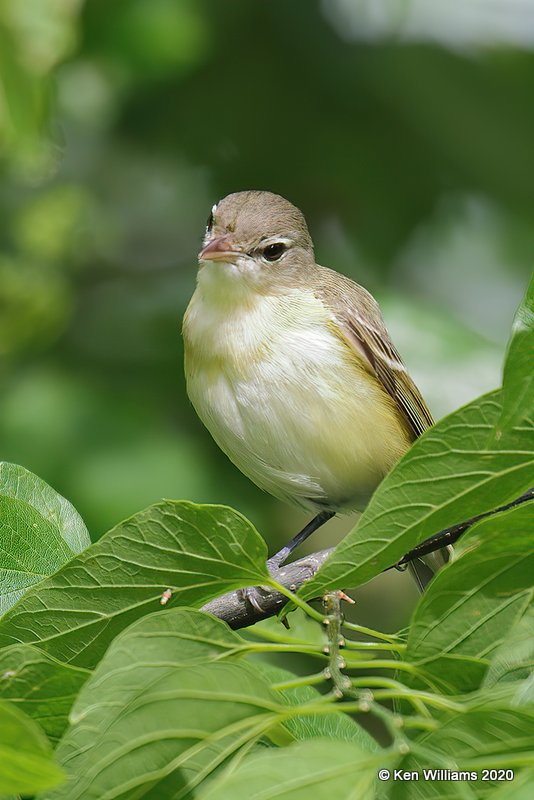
255,594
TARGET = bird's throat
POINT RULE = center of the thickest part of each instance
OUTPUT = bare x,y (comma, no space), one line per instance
223,285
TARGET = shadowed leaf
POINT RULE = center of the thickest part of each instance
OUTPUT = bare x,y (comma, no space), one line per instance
473,602
42,687
26,764
156,718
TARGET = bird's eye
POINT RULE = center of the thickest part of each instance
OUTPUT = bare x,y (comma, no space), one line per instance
209,223
274,251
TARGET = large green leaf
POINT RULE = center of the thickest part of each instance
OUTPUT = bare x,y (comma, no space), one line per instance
157,717
194,637
26,764
42,687
518,383
473,602
321,769
39,531
189,637
198,552
451,473
470,741
158,729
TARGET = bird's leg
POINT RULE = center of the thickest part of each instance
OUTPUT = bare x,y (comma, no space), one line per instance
276,561
253,593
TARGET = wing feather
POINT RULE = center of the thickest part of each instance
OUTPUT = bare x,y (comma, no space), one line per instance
359,318
391,372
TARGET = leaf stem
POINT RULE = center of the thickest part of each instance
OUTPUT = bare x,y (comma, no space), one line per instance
393,639
266,634
354,644
298,601
392,664
306,680
266,647
433,700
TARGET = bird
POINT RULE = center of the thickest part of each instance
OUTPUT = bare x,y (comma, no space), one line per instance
290,367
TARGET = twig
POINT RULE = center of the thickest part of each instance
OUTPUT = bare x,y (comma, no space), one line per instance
238,612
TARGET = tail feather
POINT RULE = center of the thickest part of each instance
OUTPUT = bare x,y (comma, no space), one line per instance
423,569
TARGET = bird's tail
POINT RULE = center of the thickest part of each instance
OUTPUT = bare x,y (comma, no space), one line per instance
425,567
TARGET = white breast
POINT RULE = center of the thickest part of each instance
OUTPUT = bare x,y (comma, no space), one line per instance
284,396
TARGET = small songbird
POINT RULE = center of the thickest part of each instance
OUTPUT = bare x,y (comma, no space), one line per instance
290,367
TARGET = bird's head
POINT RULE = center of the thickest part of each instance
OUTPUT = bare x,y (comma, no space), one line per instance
259,236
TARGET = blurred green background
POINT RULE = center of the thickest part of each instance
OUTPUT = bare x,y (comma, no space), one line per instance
404,130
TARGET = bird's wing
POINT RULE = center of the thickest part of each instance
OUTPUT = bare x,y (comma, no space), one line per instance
389,369
361,324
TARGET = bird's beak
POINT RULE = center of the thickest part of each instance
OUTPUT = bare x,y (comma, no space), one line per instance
218,249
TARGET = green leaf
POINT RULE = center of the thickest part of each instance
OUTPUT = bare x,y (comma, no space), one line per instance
473,602
514,658
521,788
26,764
155,719
450,474
518,379
198,552
321,769
39,531
189,637
471,741
338,727
42,687
20,483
